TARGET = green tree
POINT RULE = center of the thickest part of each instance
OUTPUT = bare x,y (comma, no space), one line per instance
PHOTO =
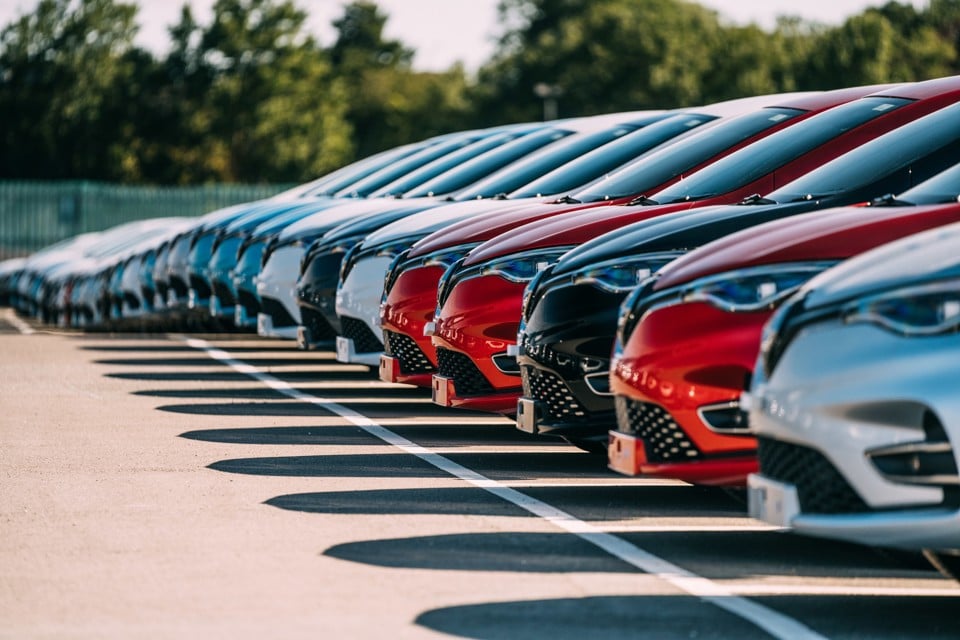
61,71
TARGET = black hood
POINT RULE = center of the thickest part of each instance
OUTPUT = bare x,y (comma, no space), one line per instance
678,231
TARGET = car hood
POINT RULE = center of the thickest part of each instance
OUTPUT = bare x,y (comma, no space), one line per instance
429,221
830,234
368,223
480,229
679,231
572,228
343,211
923,257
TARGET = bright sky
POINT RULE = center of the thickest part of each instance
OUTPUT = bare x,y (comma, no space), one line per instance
445,31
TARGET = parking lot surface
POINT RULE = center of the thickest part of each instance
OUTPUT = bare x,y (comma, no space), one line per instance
226,486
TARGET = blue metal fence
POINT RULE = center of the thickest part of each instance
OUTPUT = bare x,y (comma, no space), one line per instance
35,214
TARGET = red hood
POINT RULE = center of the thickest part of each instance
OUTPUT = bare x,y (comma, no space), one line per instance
487,226
830,234
569,229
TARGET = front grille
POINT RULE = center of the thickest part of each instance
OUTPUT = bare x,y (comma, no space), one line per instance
200,285
249,301
224,293
363,339
467,378
320,329
564,364
277,312
663,439
553,394
405,349
820,487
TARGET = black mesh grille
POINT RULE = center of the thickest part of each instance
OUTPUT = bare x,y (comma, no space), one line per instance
663,439
363,339
249,302
466,377
553,394
405,349
200,285
320,329
277,312
820,486
224,294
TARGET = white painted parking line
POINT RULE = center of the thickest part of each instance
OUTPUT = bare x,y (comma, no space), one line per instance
842,590
773,622
10,316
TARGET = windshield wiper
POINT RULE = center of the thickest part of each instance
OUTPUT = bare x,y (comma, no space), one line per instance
889,200
567,199
756,198
644,200
501,196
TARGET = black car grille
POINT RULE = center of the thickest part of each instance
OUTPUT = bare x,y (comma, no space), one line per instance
199,285
820,487
224,293
249,302
277,312
466,376
405,349
363,339
564,364
663,439
320,329
553,394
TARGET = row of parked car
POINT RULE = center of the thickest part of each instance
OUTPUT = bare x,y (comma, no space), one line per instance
763,292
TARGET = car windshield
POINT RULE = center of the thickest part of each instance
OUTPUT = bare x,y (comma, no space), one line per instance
536,164
388,174
919,146
482,166
941,189
760,158
445,163
651,171
599,162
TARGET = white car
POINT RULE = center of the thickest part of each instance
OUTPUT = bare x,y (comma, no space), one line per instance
854,402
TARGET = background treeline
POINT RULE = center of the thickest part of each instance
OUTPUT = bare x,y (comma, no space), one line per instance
252,97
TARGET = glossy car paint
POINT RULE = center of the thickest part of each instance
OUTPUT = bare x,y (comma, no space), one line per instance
847,390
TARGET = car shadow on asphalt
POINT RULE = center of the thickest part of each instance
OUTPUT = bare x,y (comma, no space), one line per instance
339,395
777,555
421,408
204,361
183,348
618,617
608,617
594,503
227,375
498,466
429,435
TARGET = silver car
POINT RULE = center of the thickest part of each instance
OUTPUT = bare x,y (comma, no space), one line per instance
855,402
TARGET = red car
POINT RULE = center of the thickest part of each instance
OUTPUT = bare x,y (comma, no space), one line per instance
411,287
480,297
689,339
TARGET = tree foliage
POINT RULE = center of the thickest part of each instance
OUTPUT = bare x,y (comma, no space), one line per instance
251,97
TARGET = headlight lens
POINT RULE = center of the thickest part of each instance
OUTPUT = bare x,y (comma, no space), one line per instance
926,310
754,289
523,267
624,274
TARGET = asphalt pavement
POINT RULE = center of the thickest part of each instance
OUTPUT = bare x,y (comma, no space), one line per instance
174,486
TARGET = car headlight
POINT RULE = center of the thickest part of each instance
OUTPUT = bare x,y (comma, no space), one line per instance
524,266
926,310
624,274
753,289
